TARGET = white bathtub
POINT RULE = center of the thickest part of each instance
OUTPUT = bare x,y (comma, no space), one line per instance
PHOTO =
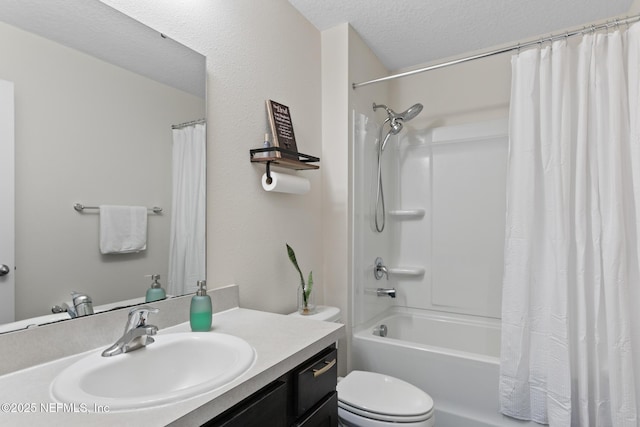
454,358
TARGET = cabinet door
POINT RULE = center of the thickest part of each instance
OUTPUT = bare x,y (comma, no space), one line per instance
323,415
268,407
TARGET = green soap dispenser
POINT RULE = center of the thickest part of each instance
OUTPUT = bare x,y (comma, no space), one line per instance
201,312
155,292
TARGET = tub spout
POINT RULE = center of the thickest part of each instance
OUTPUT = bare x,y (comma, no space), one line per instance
389,292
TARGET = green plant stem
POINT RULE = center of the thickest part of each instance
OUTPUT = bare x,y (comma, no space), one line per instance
306,289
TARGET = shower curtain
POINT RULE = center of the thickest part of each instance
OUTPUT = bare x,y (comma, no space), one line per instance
571,300
187,239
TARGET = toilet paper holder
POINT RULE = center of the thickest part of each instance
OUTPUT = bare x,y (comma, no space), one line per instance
268,172
297,161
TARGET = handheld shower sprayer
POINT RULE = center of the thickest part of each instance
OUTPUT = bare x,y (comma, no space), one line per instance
395,120
396,123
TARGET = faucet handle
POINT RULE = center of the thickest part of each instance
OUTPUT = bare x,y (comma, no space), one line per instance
138,316
379,269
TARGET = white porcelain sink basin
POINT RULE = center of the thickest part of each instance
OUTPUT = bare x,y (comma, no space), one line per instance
175,367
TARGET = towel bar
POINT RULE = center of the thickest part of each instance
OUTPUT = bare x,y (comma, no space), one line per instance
80,207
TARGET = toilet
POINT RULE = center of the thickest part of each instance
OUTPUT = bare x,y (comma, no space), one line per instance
369,399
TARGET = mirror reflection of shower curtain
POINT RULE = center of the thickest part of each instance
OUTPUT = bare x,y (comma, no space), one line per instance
187,239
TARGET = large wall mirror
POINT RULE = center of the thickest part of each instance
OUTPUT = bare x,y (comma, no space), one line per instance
95,96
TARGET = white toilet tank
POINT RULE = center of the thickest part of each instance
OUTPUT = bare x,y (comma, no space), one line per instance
323,312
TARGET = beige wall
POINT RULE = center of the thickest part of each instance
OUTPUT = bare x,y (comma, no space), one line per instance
255,50
66,152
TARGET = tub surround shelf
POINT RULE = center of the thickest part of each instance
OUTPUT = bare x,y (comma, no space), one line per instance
407,213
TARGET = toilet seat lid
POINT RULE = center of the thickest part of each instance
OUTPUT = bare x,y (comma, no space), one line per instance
382,394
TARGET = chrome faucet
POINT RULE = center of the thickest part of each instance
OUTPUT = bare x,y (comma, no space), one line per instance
136,332
64,308
82,306
379,269
383,291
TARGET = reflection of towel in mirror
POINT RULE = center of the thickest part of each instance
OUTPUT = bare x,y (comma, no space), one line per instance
123,229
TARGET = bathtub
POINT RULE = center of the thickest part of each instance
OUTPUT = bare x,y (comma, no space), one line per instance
454,358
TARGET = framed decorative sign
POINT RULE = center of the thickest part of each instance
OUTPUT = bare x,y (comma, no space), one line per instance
282,129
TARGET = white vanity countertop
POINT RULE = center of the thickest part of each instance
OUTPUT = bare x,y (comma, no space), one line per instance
281,343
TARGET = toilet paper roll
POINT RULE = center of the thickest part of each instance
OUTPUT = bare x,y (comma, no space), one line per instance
284,183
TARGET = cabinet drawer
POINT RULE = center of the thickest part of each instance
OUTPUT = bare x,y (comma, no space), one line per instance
324,414
270,404
315,380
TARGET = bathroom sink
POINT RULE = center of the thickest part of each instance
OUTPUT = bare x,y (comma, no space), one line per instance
175,367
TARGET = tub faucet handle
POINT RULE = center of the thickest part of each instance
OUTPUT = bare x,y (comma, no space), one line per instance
380,270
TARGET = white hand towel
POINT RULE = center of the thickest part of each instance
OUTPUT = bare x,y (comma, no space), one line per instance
123,229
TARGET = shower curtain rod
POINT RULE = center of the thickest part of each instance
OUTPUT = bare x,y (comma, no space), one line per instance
185,124
539,40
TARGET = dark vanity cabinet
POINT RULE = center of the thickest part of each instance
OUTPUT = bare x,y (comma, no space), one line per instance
305,396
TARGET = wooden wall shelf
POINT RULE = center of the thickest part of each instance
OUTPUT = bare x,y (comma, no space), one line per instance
297,161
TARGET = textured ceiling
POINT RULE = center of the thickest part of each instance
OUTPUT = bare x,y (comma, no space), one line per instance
405,33
99,30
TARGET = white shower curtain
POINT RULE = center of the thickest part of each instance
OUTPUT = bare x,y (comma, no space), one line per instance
571,301
187,239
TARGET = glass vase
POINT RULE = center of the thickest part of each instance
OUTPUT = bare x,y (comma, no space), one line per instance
306,305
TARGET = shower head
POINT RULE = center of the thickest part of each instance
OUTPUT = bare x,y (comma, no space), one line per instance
411,112
396,120
407,115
